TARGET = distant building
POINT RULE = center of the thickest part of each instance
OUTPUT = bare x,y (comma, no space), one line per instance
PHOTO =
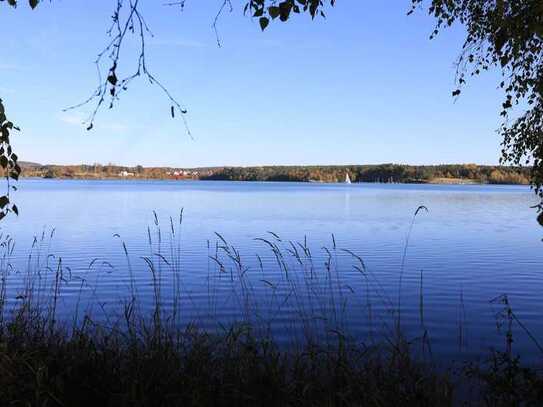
182,174
126,174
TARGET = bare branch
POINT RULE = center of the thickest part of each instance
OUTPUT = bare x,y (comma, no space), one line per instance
225,3
111,87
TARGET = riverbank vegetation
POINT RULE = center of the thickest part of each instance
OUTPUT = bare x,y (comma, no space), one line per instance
44,366
42,363
147,349
385,173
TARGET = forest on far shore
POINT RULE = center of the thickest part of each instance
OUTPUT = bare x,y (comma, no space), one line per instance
386,173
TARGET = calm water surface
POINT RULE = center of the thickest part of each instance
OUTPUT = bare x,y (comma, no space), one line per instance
474,244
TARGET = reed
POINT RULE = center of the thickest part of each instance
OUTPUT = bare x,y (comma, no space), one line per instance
160,346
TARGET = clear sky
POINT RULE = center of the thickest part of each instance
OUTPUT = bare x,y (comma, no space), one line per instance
366,85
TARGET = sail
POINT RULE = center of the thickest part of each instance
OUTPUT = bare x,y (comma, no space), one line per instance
347,179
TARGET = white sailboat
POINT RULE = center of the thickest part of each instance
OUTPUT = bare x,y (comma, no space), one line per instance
347,178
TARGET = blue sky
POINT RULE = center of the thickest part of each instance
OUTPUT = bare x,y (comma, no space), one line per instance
366,85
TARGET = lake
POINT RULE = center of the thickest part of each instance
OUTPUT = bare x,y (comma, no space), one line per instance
295,246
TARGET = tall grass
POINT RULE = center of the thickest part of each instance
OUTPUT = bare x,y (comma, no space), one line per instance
169,348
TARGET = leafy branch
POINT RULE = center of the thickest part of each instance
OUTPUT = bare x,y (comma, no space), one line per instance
267,11
507,35
8,163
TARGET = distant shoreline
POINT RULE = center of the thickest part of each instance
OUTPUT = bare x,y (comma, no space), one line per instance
441,181
453,174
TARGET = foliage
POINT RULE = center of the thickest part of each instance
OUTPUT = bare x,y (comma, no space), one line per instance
8,162
506,382
385,173
193,368
270,10
507,34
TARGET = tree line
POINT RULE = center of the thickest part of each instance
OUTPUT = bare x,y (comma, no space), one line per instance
385,173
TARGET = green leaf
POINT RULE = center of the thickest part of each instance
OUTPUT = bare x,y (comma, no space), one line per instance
15,209
540,218
33,3
4,200
112,78
273,11
284,10
264,22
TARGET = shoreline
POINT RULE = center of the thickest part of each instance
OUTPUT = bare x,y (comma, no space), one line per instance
454,174
437,181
